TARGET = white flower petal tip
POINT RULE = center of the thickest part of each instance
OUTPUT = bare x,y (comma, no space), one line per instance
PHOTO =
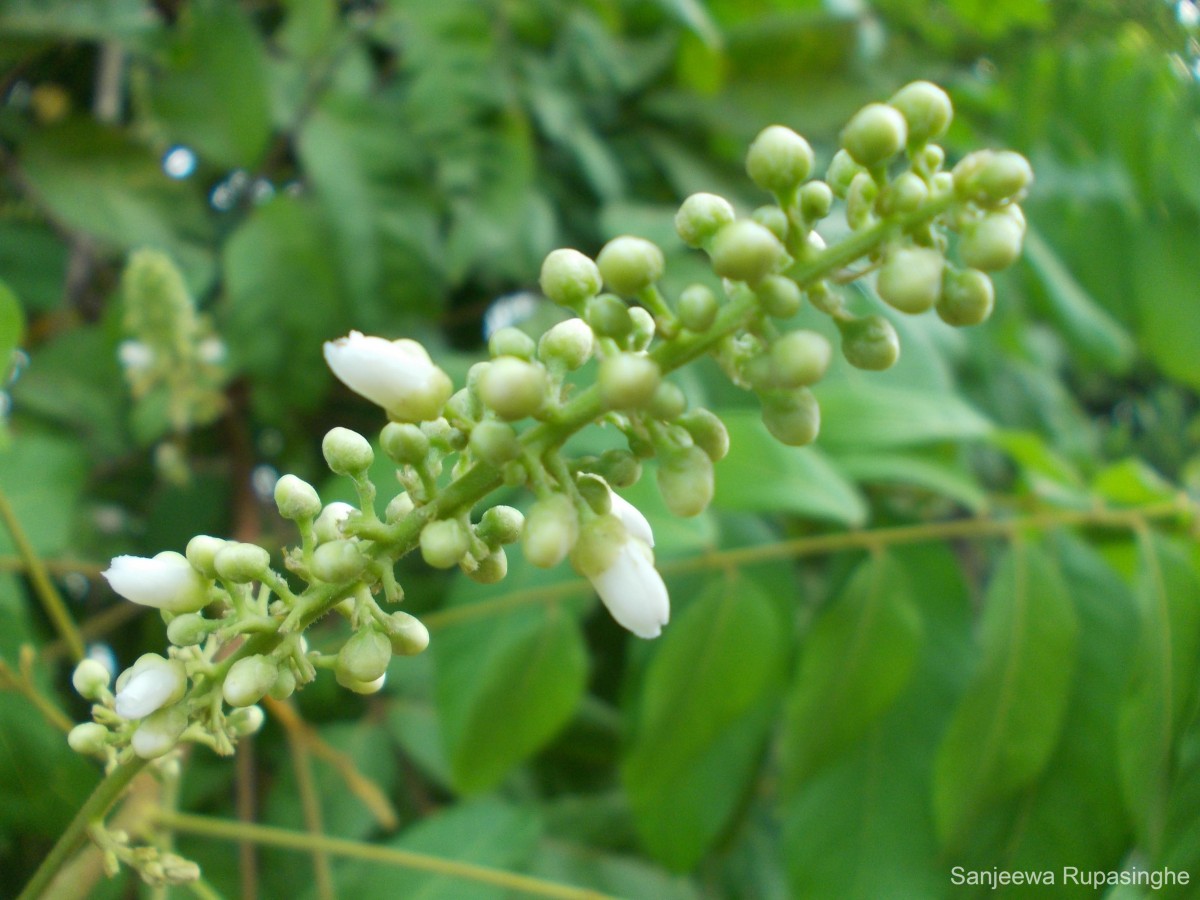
397,375
631,517
166,581
633,590
150,684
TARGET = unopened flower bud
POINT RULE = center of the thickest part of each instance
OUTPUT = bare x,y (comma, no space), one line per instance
793,417
489,570
500,525
993,242
189,629
773,219
513,388
249,679
443,543
398,507
397,375
708,431
800,358
511,342
328,526
338,561
860,201
668,402
463,409
842,171
360,687
608,316
569,278
365,656
245,721
925,108
816,199
88,738
907,193
347,452
159,733
621,569
405,444
779,296
619,467
870,343
685,480
90,679
166,581
701,216
296,498
407,634
697,308
992,177
550,531
629,265
201,552
495,442
910,279
241,563
643,329
746,251
874,134
628,381
570,343
285,684
967,297
151,683
779,160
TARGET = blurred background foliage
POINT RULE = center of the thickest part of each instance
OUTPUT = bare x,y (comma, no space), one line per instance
812,724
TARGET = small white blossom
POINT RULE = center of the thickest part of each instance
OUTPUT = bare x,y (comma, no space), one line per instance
397,375
166,581
148,685
135,356
633,590
631,517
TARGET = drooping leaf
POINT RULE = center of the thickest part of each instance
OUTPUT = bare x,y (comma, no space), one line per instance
1166,271
941,477
857,416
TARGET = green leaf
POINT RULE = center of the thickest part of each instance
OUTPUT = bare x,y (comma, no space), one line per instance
68,19
12,325
212,93
34,262
762,475
855,661
1008,723
505,685
705,706
1161,687
42,477
856,416
627,877
935,475
1131,482
1166,273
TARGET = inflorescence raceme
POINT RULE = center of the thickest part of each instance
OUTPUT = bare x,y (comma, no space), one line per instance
235,622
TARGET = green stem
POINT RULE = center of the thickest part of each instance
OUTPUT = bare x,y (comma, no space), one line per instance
207,826
101,800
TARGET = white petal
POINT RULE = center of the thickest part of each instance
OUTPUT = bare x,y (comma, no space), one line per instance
167,581
631,517
385,372
152,684
633,590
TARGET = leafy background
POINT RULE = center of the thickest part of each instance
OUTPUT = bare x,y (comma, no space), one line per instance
962,630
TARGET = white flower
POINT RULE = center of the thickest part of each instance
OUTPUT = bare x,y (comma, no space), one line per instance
328,526
620,565
148,685
159,733
631,517
166,581
135,356
397,375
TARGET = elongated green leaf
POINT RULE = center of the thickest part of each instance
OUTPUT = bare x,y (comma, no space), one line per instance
705,707
12,324
1008,722
856,416
1162,683
762,475
855,661
621,876
1166,271
909,469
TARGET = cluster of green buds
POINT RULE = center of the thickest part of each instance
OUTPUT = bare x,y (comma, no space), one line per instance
173,360
235,621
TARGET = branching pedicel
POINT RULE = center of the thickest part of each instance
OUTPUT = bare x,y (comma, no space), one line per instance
236,624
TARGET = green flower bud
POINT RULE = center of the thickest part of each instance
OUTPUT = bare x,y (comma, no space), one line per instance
910,279
296,498
860,201
407,634
159,732
90,679
609,316
245,721
599,543
511,342
907,193
793,417
249,679
285,684
816,200
874,134
241,563
489,570
746,251
328,526
500,525
596,493
404,443
841,172
779,160
570,343
701,216
643,328
201,552
360,687
569,278
926,109
992,177
495,442
967,297
668,402
513,388
338,561
779,296
628,381
685,480
931,158
88,738
347,452
993,242
399,507
551,529
190,629
708,431
870,343
697,308
463,409
800,358
941,185
773,219
365,656
629,265
620,468
443,543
